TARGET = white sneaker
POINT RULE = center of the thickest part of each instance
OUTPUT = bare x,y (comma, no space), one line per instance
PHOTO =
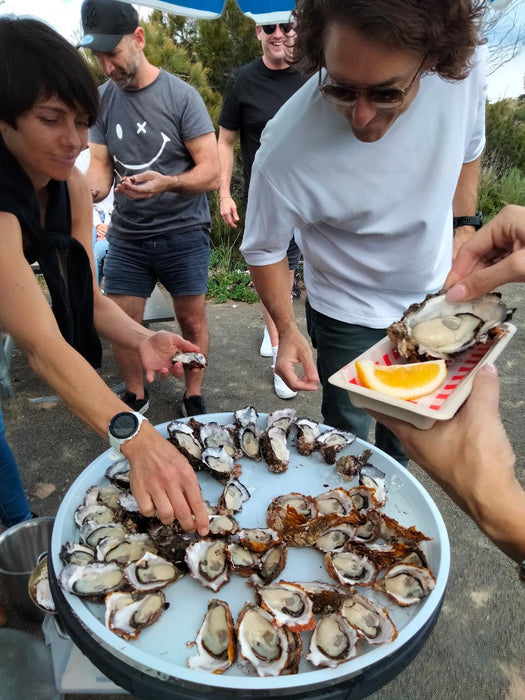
282,390
266,345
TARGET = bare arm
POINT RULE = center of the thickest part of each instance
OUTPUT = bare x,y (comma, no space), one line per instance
100,172
203,177
227,205
471,458
465,200
273,286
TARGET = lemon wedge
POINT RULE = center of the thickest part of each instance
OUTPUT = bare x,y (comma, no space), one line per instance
409,381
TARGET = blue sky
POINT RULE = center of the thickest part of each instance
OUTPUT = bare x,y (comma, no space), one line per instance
506,81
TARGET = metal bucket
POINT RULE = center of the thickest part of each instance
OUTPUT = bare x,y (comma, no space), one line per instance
21,547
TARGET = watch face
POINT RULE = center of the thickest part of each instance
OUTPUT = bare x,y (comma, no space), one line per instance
124,425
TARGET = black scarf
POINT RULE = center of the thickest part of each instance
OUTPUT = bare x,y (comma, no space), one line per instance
71,300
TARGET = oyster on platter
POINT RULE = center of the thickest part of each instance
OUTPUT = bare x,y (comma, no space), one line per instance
127,614
215,639
439,329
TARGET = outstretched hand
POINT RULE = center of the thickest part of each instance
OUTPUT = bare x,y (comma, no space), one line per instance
163,482
156,353
494,256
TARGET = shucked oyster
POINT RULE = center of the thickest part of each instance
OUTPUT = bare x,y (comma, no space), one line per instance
436,328
190,359
127,614
215,639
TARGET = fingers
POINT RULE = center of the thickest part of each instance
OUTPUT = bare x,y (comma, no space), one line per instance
482,281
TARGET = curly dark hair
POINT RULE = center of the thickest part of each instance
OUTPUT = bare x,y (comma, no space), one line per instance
37,62
447,31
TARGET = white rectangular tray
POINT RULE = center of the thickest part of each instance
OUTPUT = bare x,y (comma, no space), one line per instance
423,412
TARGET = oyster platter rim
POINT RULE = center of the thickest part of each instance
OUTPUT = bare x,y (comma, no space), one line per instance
414,412
426,517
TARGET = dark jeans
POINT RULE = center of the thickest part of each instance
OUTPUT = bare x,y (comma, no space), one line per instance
14,507
338,343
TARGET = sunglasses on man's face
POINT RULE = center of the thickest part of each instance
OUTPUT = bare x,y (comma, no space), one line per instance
270,28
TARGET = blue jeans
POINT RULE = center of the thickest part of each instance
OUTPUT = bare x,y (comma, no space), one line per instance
14,507
338,343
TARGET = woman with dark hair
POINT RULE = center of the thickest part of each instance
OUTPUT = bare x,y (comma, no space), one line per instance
48,100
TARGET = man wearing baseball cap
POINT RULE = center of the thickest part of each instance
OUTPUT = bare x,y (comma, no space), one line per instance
105,23
154,141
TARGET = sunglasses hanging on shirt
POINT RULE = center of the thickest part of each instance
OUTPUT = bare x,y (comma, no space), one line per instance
285,28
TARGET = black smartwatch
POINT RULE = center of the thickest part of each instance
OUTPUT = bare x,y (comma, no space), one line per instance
122,427
476,221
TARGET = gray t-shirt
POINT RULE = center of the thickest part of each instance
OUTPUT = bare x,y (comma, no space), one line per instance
145,130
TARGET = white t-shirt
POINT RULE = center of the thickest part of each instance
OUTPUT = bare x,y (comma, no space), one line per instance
373,220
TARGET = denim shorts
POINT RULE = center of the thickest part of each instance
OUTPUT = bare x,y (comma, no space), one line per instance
179,261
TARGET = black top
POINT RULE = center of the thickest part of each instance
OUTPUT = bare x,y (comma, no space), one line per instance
71,297
253,96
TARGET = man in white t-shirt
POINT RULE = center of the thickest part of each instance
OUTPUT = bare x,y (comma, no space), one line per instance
368,164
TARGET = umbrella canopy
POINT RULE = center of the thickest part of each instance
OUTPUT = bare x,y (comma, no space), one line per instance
261,11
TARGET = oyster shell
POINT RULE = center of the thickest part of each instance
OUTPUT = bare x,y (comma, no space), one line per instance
374,478
127,614
349,466
234,495
96,513
288,603
118,473
333,641
124,550
436,328
272,563
283,418
335,501
222,525
351,568
220,464
104,495
370,621
246,416
326,597
265,646
215,639
259,539
307,433
215,435
406,584
242,560
208,563
331,442
91,532
274,449
92,580
151,573
249,439
190,360
183,437
75,553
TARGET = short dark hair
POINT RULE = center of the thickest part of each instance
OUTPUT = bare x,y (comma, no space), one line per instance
35,62
447,31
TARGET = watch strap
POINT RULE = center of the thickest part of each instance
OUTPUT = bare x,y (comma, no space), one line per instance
115,442
475,221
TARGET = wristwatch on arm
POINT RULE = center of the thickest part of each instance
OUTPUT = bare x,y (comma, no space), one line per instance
476,221
123,427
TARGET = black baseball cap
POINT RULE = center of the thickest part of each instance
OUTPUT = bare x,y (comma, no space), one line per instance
105,22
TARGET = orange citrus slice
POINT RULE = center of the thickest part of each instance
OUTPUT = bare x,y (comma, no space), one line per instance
409,381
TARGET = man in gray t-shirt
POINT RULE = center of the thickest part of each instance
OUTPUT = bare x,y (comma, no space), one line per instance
155,141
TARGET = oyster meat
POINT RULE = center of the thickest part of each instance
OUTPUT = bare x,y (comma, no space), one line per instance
406,584
208,563
370,621
234,495
436,328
